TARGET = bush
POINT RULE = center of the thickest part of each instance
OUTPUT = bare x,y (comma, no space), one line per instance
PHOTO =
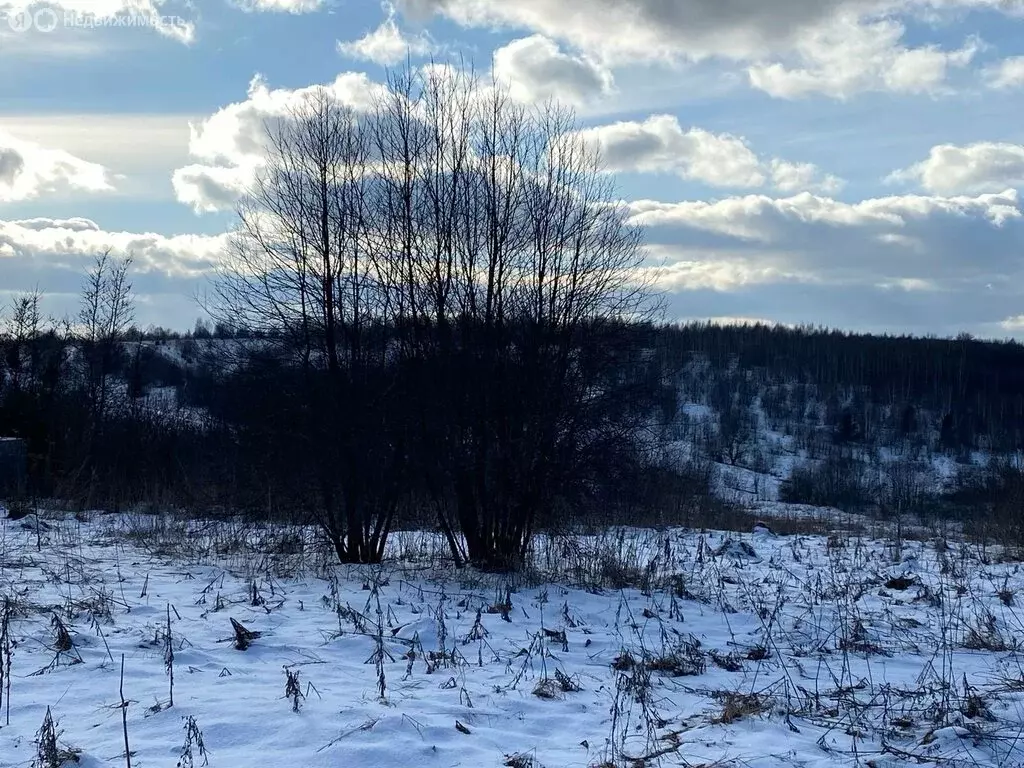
837,481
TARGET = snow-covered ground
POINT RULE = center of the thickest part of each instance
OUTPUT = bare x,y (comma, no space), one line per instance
634,648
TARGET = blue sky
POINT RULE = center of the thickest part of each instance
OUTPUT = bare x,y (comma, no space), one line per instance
852,163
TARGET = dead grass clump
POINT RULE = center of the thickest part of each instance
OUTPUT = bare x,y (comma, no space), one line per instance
730,662
521,760
1005,594
616,573
735,549
555,687
859,641
683,659
985,635
758,653
736,706
624,662
975,707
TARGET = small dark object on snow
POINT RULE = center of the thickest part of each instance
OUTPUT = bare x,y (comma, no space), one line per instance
736,549
18,513
900,582
762,527
243,636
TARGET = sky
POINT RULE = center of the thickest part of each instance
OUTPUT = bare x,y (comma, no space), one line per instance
848,163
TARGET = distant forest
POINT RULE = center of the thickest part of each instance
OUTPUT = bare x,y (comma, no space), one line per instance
975,385
188,420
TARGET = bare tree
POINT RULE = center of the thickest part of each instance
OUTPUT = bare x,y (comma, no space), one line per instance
515,267
449,272
24,328
106,313
302,271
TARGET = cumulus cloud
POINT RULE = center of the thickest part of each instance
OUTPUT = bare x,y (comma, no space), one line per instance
656,30
535,69
70,243
1006,74
926,264
167,271
660,144
975,168
229,147
803,177
646,30
209,189
162,16
1014,324
387,44
793,47
75,224
29,171
681,270
848,56
912,242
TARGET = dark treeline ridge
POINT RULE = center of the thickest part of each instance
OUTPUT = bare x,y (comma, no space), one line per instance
974,386
226,425
936,372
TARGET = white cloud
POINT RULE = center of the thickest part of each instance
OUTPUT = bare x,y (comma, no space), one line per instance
975,168
913,243
76,224
208,189
387,44
127,143
622,31
534,69
70,243
1008,73
1014,323
279,6
848,57
229,147
806,177
157,14
715,271
644,30
29,171
661,145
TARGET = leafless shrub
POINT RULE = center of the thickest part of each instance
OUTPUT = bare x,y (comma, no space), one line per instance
193,743
683,658
49,753
984,634
292,689
6,656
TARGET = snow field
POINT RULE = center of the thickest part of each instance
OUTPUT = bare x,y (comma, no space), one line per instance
636,647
